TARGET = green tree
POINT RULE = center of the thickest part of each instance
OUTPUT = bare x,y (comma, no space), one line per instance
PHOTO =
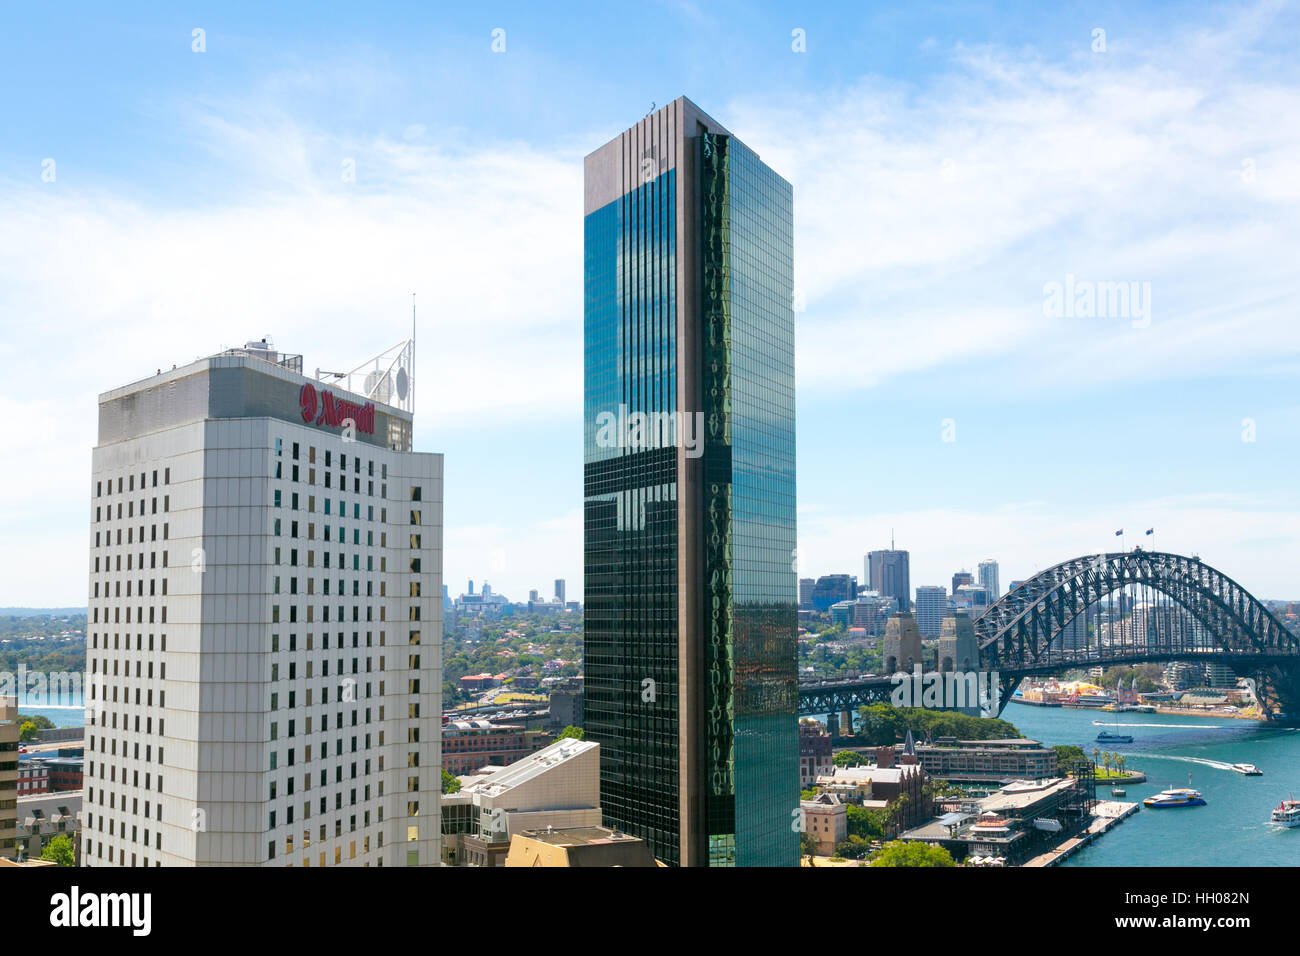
571,732
59,850
1067,755
903,853
884,725
450,784
854,848
808,846
847,758
865,824
27,731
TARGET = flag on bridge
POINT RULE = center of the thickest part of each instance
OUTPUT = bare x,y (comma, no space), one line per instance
1151,530
1119,532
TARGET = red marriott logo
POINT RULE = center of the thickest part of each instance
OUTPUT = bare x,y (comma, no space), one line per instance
325,409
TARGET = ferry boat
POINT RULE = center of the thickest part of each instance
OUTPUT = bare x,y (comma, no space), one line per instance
1106,737
1180,797
1287,813
1118,792
1248,769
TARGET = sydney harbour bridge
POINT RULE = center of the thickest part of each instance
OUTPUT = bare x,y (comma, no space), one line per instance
1179,609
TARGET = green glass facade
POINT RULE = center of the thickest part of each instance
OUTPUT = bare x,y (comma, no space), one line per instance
630,515
736,523
760,582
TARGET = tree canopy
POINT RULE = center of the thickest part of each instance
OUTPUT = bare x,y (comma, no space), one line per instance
883,725
450,783
904,853
847,758
59,850
1067,755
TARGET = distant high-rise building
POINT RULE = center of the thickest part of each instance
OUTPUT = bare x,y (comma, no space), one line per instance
533,597
471,586
833,588
887,572
972,595
988,578
806,586
1218,674
691,655
960,578
931,602
559,590
871,611
1074,636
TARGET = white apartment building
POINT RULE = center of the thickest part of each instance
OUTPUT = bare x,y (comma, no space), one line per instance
558,786
264,662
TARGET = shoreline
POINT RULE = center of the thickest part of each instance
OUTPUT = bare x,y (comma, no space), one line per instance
1192,712
1159,709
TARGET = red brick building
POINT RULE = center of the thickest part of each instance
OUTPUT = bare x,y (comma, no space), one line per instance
468,745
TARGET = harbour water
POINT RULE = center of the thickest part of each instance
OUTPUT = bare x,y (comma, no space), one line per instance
64,714
1233,829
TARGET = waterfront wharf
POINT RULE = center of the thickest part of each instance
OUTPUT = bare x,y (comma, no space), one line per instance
1106,815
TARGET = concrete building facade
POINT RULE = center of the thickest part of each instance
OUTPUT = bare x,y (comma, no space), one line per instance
931,602
264,648
9,732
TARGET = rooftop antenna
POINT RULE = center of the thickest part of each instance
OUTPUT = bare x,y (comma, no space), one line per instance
412,372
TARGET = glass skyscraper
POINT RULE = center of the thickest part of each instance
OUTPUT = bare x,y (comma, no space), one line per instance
690,586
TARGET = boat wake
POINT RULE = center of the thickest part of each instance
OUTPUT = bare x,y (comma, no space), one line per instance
1203,761
1111,723
52,706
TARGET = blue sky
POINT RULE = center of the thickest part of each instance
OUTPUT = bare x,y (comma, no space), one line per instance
949,162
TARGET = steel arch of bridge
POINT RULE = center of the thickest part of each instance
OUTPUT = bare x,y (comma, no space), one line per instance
1021,632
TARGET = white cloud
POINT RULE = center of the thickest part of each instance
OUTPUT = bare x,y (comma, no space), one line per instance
927,221
918,208
100,290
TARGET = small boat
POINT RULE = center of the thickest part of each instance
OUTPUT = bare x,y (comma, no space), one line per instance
1287,813
1179,797
1108,738
1248,769
1118,792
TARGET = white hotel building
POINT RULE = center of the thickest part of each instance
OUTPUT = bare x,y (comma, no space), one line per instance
264,661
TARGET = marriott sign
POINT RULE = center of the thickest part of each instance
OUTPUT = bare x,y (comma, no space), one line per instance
325,409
